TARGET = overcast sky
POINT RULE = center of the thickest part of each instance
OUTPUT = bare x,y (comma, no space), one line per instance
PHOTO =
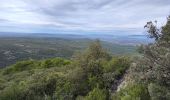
81,16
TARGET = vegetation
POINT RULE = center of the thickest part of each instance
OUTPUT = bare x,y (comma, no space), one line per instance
94,74
152,69
89,75
132,92
96,94
13,49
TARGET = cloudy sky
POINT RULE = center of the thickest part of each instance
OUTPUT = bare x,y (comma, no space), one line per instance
81,16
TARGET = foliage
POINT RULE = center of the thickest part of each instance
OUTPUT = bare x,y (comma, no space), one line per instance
96,94
132,92
117,64
81,77
33,64
152,68
14,49
158,92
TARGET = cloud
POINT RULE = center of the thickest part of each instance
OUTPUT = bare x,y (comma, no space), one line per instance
82,15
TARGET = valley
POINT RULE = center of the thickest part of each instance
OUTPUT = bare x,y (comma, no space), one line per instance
13,49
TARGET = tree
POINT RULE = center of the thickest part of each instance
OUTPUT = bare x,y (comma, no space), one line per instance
90,68
154,66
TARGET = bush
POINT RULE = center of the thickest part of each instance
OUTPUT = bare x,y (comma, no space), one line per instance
13,92
33,64
158,92
97,94
132,92
117,64
55,62
21,66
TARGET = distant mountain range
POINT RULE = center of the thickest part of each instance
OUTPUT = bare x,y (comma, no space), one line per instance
118,39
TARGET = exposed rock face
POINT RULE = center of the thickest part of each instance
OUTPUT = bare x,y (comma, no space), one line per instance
126,79
120,83
123,83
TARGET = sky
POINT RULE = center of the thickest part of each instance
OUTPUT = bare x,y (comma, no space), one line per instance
81,16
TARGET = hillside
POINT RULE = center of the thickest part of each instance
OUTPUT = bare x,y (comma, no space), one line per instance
13,49
86,73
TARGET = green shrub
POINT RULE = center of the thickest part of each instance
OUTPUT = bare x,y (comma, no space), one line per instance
158,92
33,64
55,62
97,94
132,92
64,91
13,92
21,66
117,64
